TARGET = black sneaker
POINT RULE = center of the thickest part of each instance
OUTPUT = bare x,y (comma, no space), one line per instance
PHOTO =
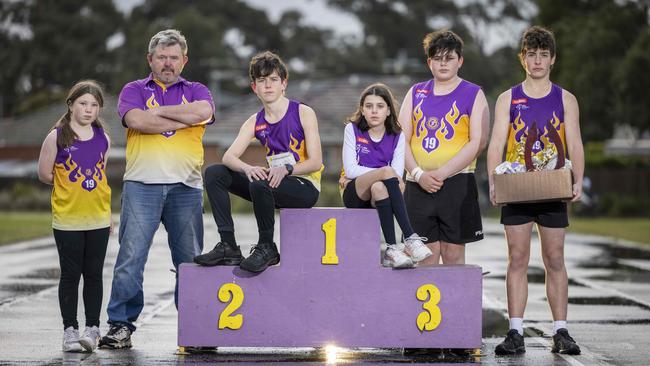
224,254
118,336
563,343
262,256
513,344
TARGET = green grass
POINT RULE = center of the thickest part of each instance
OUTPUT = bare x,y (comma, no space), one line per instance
634,229
16,226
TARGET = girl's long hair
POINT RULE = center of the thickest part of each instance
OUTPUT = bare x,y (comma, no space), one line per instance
66,135
381,90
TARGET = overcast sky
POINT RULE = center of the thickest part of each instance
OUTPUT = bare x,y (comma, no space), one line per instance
317,13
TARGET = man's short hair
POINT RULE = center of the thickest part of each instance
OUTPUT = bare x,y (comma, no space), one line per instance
166,38
442,41
264,63
537,38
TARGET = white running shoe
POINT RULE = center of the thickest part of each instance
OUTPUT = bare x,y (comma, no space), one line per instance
416,248
395,257
71,340
90,339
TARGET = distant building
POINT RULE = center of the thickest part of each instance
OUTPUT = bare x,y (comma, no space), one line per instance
332,99
627,142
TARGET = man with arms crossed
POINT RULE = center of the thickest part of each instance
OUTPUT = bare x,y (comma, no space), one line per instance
165,116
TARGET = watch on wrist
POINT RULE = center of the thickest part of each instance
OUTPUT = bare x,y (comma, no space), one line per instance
289,168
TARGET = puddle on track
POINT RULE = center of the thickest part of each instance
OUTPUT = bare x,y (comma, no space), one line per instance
43,273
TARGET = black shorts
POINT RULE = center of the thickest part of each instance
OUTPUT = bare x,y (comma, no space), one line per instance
452,214
547,214
351,199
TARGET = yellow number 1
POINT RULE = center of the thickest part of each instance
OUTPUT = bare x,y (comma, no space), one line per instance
330,257
228,292
430,318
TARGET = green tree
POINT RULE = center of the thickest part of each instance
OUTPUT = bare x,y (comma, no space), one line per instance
632,82
204,23
593,39
395,29
63,41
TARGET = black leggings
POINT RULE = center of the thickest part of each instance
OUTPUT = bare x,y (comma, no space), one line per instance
81,252
293,192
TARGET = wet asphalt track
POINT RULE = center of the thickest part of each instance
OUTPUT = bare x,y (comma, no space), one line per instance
609,310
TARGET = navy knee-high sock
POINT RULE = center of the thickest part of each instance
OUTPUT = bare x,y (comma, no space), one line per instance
385,211
399,207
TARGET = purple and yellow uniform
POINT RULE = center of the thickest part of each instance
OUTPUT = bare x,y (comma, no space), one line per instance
81,198
441,124
168,157
286,135
526,112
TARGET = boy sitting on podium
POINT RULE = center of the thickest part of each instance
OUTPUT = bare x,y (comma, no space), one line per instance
288,130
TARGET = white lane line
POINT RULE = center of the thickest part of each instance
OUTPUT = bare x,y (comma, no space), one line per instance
37,295
156,309
640,264
613,291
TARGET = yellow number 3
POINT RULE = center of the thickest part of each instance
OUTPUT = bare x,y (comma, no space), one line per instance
227,292
430,318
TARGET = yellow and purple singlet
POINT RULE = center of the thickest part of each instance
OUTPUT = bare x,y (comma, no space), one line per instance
81,197
542,113
441,124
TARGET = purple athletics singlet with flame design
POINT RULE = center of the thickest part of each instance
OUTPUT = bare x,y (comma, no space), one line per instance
286,135
81,198
544,113
441,123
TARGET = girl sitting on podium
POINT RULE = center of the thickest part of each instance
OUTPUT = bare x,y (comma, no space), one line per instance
373,165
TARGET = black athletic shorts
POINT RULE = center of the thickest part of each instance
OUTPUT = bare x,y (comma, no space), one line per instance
547,214
452,214
351,199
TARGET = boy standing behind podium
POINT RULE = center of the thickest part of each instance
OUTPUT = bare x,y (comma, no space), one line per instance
445,122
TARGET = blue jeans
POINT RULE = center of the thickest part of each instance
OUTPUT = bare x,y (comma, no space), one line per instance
144,206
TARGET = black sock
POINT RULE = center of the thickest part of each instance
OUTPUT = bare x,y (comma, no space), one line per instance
266,236
228,237
399,207
385,212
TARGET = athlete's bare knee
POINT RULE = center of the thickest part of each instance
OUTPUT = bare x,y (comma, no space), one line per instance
518,261
555,263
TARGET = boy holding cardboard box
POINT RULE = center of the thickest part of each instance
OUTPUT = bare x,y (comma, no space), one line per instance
540,111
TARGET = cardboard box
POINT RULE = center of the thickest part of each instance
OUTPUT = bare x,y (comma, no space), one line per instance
543,185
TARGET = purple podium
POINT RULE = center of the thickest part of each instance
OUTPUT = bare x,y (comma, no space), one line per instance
330,289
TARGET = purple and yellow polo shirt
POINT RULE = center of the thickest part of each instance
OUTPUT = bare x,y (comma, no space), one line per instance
168,157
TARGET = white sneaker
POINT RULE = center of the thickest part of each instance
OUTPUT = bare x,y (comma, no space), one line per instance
395,257
416,248
71,340
90,339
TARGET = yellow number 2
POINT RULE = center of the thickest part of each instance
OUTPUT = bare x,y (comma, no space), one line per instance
330,257
429,319
228,292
